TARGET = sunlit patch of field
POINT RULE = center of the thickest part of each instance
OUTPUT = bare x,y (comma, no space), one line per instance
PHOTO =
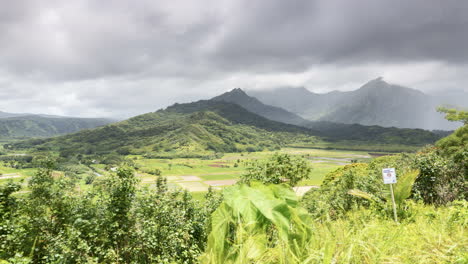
196,175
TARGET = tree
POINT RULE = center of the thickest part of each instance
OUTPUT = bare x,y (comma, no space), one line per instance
452,114
277,169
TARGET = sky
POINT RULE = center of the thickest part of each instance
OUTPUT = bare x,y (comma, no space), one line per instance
119,58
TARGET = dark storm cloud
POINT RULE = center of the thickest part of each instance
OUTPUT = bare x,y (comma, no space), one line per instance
120,57
294,34
82,40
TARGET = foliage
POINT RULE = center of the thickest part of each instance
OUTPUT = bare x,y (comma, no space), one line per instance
444,169
453,114
442,178
454,144
402,190
277,169
404,186
343,189
429,235
347,134
201,128
253,220
115,222
241,234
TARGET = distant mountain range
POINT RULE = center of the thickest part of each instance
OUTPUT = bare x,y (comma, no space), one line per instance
233,121
239,97
182,129
331,131
16,126
375,103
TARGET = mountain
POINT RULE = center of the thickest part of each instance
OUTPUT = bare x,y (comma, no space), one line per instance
331,131
239,97
336,132
182,129
6,115
27,126
208,126
299,100
375,103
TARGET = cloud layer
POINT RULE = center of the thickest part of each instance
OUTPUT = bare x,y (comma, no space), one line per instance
120,58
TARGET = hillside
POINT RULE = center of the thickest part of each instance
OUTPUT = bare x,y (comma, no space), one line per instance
331,131
299,100
238,96
182,129
210,126
375,103
336,132
27,126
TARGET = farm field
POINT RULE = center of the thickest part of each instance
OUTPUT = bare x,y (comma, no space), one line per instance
197,175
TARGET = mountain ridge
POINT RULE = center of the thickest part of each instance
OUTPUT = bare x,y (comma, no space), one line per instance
252,104
374,103
181,129
15,126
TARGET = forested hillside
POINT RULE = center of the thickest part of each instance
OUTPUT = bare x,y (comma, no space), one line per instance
39,126
182,129
210,126
375,134
330,131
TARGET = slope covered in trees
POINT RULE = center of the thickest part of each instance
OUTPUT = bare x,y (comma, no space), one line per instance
209,126
182,129
26,126
329,130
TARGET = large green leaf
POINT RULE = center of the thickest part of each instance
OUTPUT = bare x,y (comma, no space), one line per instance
245,223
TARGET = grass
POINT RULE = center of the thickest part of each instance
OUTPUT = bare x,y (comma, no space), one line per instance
318,174
217,177
200,196
359,146
323,161
430,235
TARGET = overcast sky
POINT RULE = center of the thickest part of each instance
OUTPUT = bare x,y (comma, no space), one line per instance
119,58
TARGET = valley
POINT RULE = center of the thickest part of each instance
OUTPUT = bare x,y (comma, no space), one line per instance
234,132
180,182
197,175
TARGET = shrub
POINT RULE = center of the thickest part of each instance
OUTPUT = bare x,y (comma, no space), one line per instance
277,169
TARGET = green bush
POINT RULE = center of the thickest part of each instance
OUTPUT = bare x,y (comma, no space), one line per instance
277,169
356,185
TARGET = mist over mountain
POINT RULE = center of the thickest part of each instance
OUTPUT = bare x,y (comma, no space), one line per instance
333,131
239,97
375,103
451,98
221,124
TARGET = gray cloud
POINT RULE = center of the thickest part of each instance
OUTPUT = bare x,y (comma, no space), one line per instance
295,34
120,58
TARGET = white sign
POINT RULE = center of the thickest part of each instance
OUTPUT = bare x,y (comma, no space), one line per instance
389,175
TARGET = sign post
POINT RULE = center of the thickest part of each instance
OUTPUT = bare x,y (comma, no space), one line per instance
389,177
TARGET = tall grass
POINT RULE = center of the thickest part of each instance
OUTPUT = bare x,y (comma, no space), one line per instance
429,236
426,235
